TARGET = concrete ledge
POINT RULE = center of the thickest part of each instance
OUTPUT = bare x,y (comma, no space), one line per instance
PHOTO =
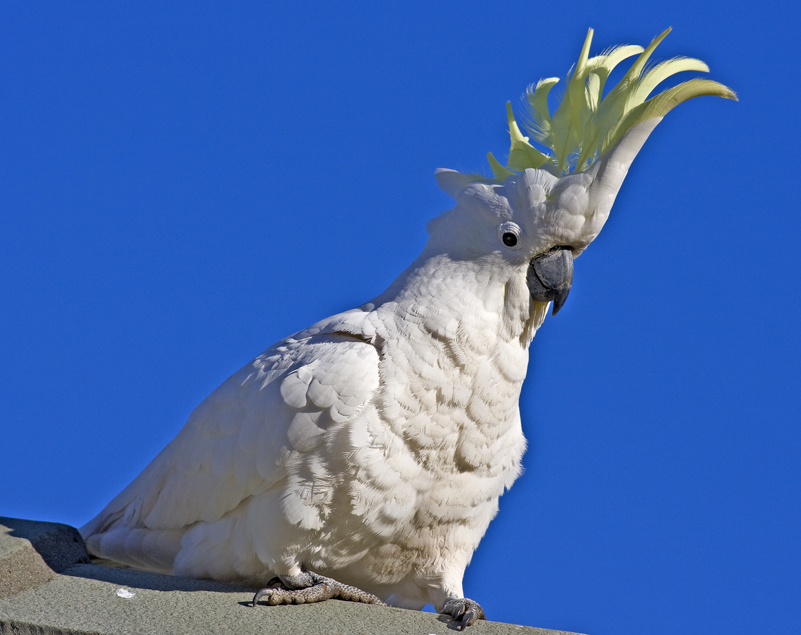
47,587
32,553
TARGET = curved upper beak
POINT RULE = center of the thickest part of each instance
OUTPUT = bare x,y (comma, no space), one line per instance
550,277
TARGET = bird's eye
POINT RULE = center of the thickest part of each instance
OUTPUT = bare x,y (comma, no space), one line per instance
509,239
509,234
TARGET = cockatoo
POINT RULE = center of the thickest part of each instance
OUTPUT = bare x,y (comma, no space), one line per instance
364,457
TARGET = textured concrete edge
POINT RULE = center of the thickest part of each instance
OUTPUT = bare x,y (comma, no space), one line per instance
22,570
32,553
82,598
60,546
14,627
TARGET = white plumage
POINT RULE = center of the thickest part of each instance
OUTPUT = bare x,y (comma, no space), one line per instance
373,446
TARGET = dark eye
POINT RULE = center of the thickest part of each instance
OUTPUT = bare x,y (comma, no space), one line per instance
509,239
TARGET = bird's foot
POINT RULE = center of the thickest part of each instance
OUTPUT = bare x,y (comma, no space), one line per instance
466,612
308,587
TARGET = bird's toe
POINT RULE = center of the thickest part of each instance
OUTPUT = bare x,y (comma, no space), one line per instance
309,587
466,612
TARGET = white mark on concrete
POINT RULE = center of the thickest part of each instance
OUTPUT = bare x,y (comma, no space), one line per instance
125,593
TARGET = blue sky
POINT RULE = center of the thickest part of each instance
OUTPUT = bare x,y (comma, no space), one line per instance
181,186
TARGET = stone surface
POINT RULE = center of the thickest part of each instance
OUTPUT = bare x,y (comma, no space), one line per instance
49,590
32,553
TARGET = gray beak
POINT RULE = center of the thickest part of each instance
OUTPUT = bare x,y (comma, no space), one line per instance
550,277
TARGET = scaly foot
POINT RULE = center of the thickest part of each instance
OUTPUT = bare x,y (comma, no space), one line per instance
466,612
308,587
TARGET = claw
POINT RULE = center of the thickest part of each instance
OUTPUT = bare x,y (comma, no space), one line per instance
469,618
466,612
260,594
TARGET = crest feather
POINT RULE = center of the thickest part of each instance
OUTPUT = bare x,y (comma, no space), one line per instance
585,125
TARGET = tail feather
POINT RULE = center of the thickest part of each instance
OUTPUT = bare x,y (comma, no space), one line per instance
148,549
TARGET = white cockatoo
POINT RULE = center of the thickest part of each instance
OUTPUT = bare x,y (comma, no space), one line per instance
371,448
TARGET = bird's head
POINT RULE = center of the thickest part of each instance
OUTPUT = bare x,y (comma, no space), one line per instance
543,209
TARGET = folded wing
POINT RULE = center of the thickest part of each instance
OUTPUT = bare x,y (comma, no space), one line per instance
242,442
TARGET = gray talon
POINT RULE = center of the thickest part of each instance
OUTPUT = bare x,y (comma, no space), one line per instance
465,611
260,594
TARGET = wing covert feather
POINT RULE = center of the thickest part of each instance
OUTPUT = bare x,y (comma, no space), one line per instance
236,442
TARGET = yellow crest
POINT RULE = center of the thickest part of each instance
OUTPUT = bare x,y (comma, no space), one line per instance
585,126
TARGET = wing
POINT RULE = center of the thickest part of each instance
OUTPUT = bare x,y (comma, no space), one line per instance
235,444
